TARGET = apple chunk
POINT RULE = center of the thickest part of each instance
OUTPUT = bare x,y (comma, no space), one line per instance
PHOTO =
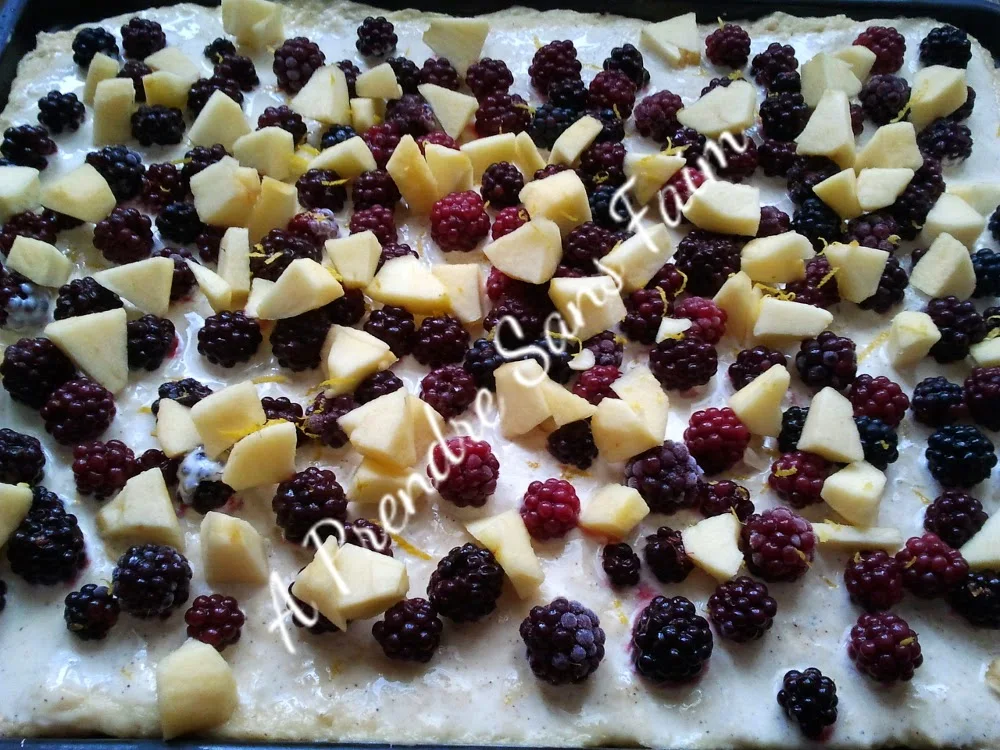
305,285
758,403
945,269
325,97
856,539
713,546
855,492
911,336
97,344
828,132
20,190
266,456
719,206
461,40
351,356
521,402
141,513
637,259
382,429
15,502
859,269
676,40
232,551
561,198
780,322
724,109
452,109
892,146
175,429
983,549
408,283
195,690
589,305
777,259
530,253
613,511
83,194
506,536
228,415
830,430
145,283
39,262
220,121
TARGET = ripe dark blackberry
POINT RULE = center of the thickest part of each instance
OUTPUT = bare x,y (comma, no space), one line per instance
891,288
22,303
585,244
26,224
392,250
320,420
805,173
603,164
783,116
150,340
960,456
819,287
977,598
501,184
201,157
201,91
946,45
724,496
228,338
887,44
778,545
32,369
21,458
412,115
311,496
554,61
884,97
879,441
440,72
550,509
608,349
742,609
601,201
215,620
409,631
468,475
930,567
466,584
828,360
407,73
286,409
874,580
151,580
620,564
125,236
667,477
27,146
317,225
947,141
382,140
880,398
665,556
528,312
797,477
884,647
380,221
960,325
218,48
628,60
671,643
297,342
101,469
573,444
374,188
488,76
817,221
288,120
59,112
369,535
450,390
295,61
48,546
136,71
179,222
776,158
482,360
91,612
186,392
376,37
153,458
162,184
955,517
792,421
773,221
565,641
614,90
394,326
377,385
78,410
776,59
183,277
239,69
982,396
680,364
986,264
594,384
321,188
612,125
277,250
141,37
707,259
91,40
912,206
937,402
559,352
739,160
440,340
645,309
502,113
750,363
728,45
716,438
810,699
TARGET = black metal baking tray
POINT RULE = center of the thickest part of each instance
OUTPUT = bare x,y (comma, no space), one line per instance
22,20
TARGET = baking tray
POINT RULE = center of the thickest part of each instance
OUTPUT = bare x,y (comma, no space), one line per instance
22,20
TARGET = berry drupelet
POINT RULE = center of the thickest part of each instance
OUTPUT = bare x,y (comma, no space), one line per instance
930,568
938,402
728,45
887,44
955,517
620,564
564,640
742,609
440,340
321,188
91,40
21,458
91,612
666,557
960,325
671,643
778,545
982,396
946,45
309,497
151,580
878,440
708,318
573,444
667,477
450,390
874,580
797,477
126,236
467,474
32,370
295,61
884,647
716,439
810,699
960,456
506,221
409,631
554,61
78,410
101,469
585,244
877,230
977,598
750,363
320,419
228,338
382,141
501,184
680,364
466,584
59,112
550,509
27,146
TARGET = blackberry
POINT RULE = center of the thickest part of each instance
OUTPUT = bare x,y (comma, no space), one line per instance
382,141
377,385
603,164
27,146
295,61
613,89
955,517
612,125
887,44
502,113
573,444
608,349
47,547
394,326
666,557
136,71
810,699
392,250
450,390
819,287
982,396
960,456
179,222
199,483
78,410
884,97
368,535
960,325
376,37
409,631
550,509
806,173
287,410
728,45
186,392
817,221
724,496
797,478
564,640
739,158
778,545
977,598
529,313
162,185
21,458
239,69
151,580
215,620
202,90
440,72
707,259
912,206
783,116
891,288
777,158
318,225
620,564
217,49
83,297
827,361
792,421
412,115
321,188
884,647
937,402
32,369
274,253
671,643
501,184
880,398
59,112
440,340
91,612
291,122
594,384
101,469
879,441
667,477
320,420
773,221
606,210
141,37
297,342
585,244
466,584
554,61
407,74
374,188
125,236
777,58
351,73
201,157
945,140
709,320
228,338
154,458
307,499
26,224
680,364
628,60
946,45
965,111
691,144
986,264
481,361
786,80
348,309
656,116
487,76
742,609
379,220
91,40
874,580
467,476
750,363
716,438
183,280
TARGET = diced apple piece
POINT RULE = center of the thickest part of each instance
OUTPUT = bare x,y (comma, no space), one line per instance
383,430
637,259
829,430
173,60
348,158
861,59
781,322
672,328
937,91
412,176
428,425
983,549
102,68
561,198
490,150
952,215
911,336
195,690
364,114
719,206
528,159
145,283
223,196
142,513
452,169
227,416
589,305
620,432
986,353
642,392
984,197
258,290
96,343
855,492
828,132
824,73
234,260
407,282
741,300
530,253
892,146
651,171
175,429
215,288
852,538
879,187
355,258
325,97
992,676
520,400
268,150
305,285
351,356
15,502
373,480
263,457
758,403
945,269
676,40
39,262
859,269
777,259
713,545
20,190
165,89
724,109
840,193
453,110
83,194
459,39
255,23
220,121
114,100
506,536
232,551
574,141
613,511
379,83
461,283
565,406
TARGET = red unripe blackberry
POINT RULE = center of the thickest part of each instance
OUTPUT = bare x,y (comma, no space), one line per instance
228,338
671,643
565,641
573,444
466,584
487,76
91,612
680,364
879,398
595,383
708,318
380,221
955,517
78,410
550,509
666,557
585,244
467,474
887,44
32,369
528,312
306,500
930,567
376,37
125,236
874,580
778,545
667,477
884,647
554,61
506,221
382,140
101,469
621,564
295,61
151,581
798,477
742,610
320,420
982,396
716,438
459,220
440,340
215,620
440,72
724,496
728,45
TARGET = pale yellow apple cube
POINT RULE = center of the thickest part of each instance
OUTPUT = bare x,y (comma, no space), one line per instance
220,121
348,158
142,513
452,169
855,539
565,406
636,260
268,150
378,83
101,68
840,192
195,690
39,262
672,328
407,282
825,72
232,551
83,194
945,269
145,283
364,114
879,187
354,258
255,23
382,429
828,132
165,89
95,343
490,150
741,299
937,91
892,146
223,195
713,545
984,196
642,392
305,285
724,109
461,40
114,100
758,403
530,253
215,288
911,336
781,322
461,283
574,141
15,502
621,432
173,60
650,172
861,59
676,40
428,425
983,549
613,511
725,207
589,305
266,456
325,97
259,289
227,416
20,190
351,356
830,430
373,480
952,215
855,492
234,260
452,109
412,176
859,269
520,400
506,536
175,429
561,198
777,259
529,160
986,353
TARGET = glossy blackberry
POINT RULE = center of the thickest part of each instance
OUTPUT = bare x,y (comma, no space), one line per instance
667,477
481,360
707,259
665,555
887,44
466,584
656,116
671,643
440,340
394,326
218,48
912,206
101,469
351,73
450,390
608,349
125,236
179,222
554,61
828,360
742,609
202,90
467,475
32,369
750,363
783,116
891,288
239,69
91,612
773,221
440,72
502,113
287,410
628,60
78,410
136,71
884,97
335,134
778,545
982,396
716,438
501,184
21,458
377,385
585,244
91,40
409,631
487,76
817,221
776,158
320,420
412,115
84,296
947,141
47,547
977,598
297,342
960,456
612,125
689,143
645,309
986,264
59,112
208,243
201,157
162,185
960,325
27,146
25,224
215,620
376,37
805,173
369,535
407,74
288,120
810,699
277,250
884,647
606,209
151,580
392,250
309,497
946,45
374,188
141,37
937,402
186,392
321,188
295,61
228,338
879,441
620,564
153,458
199,484
728,45
573,444
564,640
797,477
777,58
22,303
792,421
183,280
379,220
955,517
